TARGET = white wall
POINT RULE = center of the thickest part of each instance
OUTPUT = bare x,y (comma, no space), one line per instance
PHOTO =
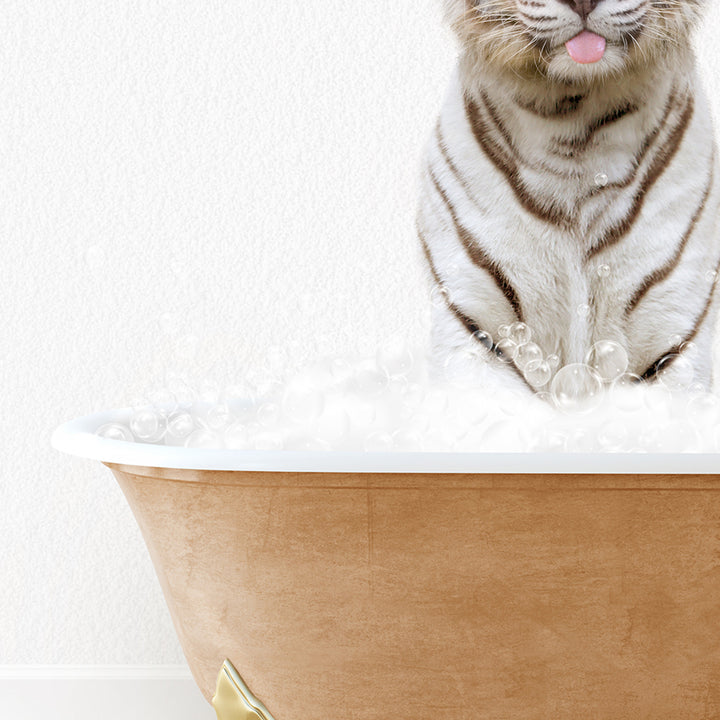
248,168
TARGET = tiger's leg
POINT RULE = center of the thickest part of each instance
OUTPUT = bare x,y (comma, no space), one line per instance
455,351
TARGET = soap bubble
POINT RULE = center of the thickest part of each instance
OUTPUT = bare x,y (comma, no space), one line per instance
613,436
711,276
268,414
239,400
520,333
268,441
394,357
180,425
675,372
435,402
553,361
237,437
583,310
360,411
397,385
470,407
581,440
145,424
537,373
333,425
412,412
307,444
483,338
439,296
407,440
576,388
138,403
369,381
527,353
687,348
504,436
458,367
603,270
658,399
508,350
671,438
303,403
412,397
608,359
473,439
379,442
601,179
203,439
341,370
218,417
704,410
554,440
504,331
695,389
115,431
627,392
437,439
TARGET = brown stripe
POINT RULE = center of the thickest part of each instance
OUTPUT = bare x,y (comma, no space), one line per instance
470,325
477,254
497,121
647,144
428,258
509,168
662,159
510,147
538,166
568,147
671,355
661,273
449,162
478,336
563,107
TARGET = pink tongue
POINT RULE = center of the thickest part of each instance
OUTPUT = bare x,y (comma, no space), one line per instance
587,47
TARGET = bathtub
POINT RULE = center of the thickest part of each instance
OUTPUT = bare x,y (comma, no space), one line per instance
418,586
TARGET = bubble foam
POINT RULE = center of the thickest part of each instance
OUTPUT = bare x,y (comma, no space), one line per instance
394,400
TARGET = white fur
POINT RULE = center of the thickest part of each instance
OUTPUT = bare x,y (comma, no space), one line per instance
545,264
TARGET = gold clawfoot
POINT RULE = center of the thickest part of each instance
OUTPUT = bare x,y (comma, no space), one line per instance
233,699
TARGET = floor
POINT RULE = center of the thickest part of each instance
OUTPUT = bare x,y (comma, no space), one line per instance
96,699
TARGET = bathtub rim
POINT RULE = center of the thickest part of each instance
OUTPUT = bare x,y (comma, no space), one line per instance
77,437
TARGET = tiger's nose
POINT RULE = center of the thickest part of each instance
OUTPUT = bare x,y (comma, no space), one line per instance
582,7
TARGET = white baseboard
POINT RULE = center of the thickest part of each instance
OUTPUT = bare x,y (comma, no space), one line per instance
101,692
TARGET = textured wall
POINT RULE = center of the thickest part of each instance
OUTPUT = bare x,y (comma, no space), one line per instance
239,171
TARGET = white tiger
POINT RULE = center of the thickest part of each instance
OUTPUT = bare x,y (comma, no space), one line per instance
572,184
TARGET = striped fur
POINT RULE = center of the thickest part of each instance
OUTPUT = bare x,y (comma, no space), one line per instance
512,221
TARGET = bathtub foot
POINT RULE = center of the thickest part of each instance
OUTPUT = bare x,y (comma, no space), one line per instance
233,699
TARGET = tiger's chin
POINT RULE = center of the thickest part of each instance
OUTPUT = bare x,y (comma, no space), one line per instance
542,65
614,63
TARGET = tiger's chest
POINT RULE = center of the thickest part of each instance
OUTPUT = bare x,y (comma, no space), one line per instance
599,226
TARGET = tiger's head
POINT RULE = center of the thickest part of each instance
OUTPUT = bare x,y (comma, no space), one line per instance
574,40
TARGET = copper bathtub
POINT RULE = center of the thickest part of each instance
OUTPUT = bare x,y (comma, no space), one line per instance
356,586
